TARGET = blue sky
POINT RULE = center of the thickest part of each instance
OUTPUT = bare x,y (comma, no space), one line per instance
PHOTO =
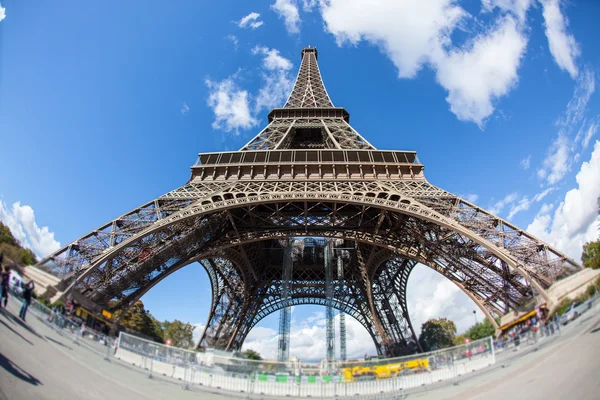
105,106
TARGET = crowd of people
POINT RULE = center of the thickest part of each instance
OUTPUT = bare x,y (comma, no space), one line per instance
530,328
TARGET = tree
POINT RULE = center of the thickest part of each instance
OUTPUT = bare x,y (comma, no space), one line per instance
459,340
140,320
180,333
481,330
591,255
437,334
6,236
252,355
27,257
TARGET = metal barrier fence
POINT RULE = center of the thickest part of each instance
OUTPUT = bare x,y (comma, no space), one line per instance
216,369
73,330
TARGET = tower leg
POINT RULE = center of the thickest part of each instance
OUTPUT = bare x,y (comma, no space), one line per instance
283,351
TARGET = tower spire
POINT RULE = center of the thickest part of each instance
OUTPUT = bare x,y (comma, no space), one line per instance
309,91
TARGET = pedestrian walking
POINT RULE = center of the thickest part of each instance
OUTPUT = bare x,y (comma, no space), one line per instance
27,293
4,278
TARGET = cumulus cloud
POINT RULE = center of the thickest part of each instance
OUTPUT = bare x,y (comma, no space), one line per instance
432,295
288,10
21,221
230,104
277,79
563,46
559,156
483,71
575,219
272,60
414,34
250,21
235,109
2,12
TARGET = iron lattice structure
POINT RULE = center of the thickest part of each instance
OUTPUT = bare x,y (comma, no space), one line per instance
309,173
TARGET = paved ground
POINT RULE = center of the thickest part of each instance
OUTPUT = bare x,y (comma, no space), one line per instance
36,362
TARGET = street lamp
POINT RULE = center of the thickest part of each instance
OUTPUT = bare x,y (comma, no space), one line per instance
475,315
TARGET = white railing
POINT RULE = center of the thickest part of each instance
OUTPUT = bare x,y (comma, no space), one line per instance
392,375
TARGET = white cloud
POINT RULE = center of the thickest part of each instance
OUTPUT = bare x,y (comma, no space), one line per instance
575,220
470,197
233,40
2,12
198,331
21,221
517,7
483,71
185,109
288,10
417,33
278,81
558,162
308,339
273,60
559,158
526,162
525,202
500,204
591,131
250,21
309,5
432,295
563,46
230,105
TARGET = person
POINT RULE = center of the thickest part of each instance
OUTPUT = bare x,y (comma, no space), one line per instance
4,278
27,293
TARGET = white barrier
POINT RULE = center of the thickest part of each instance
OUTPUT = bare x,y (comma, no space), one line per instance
183,365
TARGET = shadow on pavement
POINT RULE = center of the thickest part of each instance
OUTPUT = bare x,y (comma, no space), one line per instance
21,323
15,332
58,343
17,371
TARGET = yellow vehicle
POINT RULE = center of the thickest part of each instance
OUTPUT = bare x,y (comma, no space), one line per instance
384,371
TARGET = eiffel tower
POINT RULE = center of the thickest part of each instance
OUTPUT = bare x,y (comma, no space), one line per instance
308,173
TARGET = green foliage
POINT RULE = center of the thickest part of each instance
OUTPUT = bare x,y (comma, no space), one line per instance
591,255
27,257
437,334
140,320
252,355
59,304
180,333
481,330
11,248
563,306
7,237
459,340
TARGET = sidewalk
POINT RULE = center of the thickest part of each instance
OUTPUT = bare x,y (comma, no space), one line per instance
39,363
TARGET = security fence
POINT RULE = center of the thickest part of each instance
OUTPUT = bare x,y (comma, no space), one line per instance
222,370
72,329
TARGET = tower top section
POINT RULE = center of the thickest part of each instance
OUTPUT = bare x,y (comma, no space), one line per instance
309,50
309,90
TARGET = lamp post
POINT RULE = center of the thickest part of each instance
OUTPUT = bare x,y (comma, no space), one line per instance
475,315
